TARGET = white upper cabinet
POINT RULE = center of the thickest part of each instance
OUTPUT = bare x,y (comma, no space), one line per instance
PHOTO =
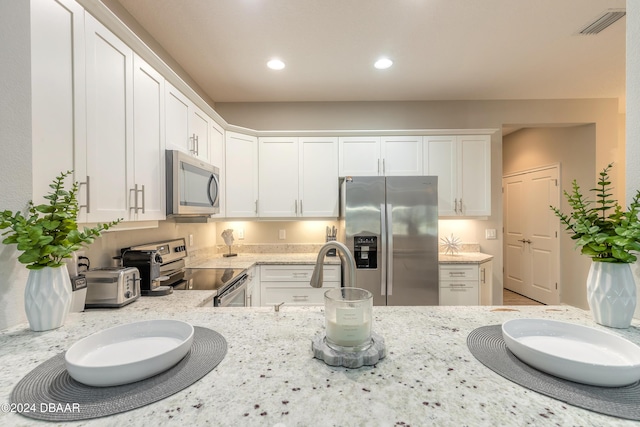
381,156
147,186
401,155
109,66
58,110
318,188
217,145
278,177
463,167
298,177
241,175
359,156
187,126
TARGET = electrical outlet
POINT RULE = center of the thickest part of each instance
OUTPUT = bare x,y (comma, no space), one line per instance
282,234
491,234
241,234
190,239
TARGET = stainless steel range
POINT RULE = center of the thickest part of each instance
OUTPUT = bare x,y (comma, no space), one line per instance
229,284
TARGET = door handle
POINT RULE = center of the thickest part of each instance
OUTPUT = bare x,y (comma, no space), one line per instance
525,241
383,244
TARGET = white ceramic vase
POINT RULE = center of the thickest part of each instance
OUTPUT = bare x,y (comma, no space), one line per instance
47,297
611,292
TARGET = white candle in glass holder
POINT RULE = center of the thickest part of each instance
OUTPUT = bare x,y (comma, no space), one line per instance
348,318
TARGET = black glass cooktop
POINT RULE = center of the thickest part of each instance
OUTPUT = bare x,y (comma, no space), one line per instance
207,279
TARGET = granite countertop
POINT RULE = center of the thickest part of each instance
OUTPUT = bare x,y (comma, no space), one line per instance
248,260
464,258
269,376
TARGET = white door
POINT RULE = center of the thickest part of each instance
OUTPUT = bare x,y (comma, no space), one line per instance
241,175
278,177
401,155
532,252
359,156
318,180
146,191
109,118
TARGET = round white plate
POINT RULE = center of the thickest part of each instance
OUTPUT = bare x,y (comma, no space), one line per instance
128,353
573,352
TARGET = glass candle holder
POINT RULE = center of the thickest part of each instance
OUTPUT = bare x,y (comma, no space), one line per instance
348,318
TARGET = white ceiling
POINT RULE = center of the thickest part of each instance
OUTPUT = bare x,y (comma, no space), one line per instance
442,49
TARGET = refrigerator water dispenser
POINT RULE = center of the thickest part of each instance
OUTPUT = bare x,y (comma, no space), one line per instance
366,251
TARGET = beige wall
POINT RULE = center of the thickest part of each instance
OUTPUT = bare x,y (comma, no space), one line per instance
573,148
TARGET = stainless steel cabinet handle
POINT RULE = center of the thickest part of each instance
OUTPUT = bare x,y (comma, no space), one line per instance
134,190
87,206
482,275
383,243
143,198
378,166
192,150
460,207
455,205
301,211
384,169
296,208
256,207
197,145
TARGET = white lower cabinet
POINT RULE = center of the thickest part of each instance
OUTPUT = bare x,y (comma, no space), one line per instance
466,284
289,284
253,287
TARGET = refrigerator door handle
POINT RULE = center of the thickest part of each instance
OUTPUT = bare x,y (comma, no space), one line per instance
383,245
389,249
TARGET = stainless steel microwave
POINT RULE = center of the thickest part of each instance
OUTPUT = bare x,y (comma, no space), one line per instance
193,186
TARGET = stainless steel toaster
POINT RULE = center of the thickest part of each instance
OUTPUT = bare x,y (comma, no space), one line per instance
112,286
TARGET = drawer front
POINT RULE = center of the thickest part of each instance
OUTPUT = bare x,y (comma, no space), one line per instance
297,273
459,272
295,296
459,294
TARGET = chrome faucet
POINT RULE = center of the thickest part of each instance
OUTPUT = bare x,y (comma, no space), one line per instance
316,277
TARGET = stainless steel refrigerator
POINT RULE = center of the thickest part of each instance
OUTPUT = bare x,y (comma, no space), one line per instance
391,228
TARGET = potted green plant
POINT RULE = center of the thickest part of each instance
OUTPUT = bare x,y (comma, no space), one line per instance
47,234
610,236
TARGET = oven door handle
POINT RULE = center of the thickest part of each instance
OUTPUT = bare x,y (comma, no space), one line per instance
233,291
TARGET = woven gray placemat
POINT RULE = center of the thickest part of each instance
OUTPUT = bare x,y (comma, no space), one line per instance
50,384
488,346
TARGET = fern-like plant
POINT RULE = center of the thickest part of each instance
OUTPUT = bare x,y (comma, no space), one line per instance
601,228
48,233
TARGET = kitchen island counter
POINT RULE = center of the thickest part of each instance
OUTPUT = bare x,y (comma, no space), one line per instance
269,376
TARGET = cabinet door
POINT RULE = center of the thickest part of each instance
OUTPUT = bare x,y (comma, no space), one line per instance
146,192
176,120
318,180
241,175
486,283
58,110
359,156
474,170
199,133
216,143
401,155
440,160
278,177
109,118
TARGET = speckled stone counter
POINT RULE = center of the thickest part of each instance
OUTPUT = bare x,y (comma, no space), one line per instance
464,258
269,376
247,260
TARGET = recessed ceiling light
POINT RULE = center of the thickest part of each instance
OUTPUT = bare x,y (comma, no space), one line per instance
275,64
383,63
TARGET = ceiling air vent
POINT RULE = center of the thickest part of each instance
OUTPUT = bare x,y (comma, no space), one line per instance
603,21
